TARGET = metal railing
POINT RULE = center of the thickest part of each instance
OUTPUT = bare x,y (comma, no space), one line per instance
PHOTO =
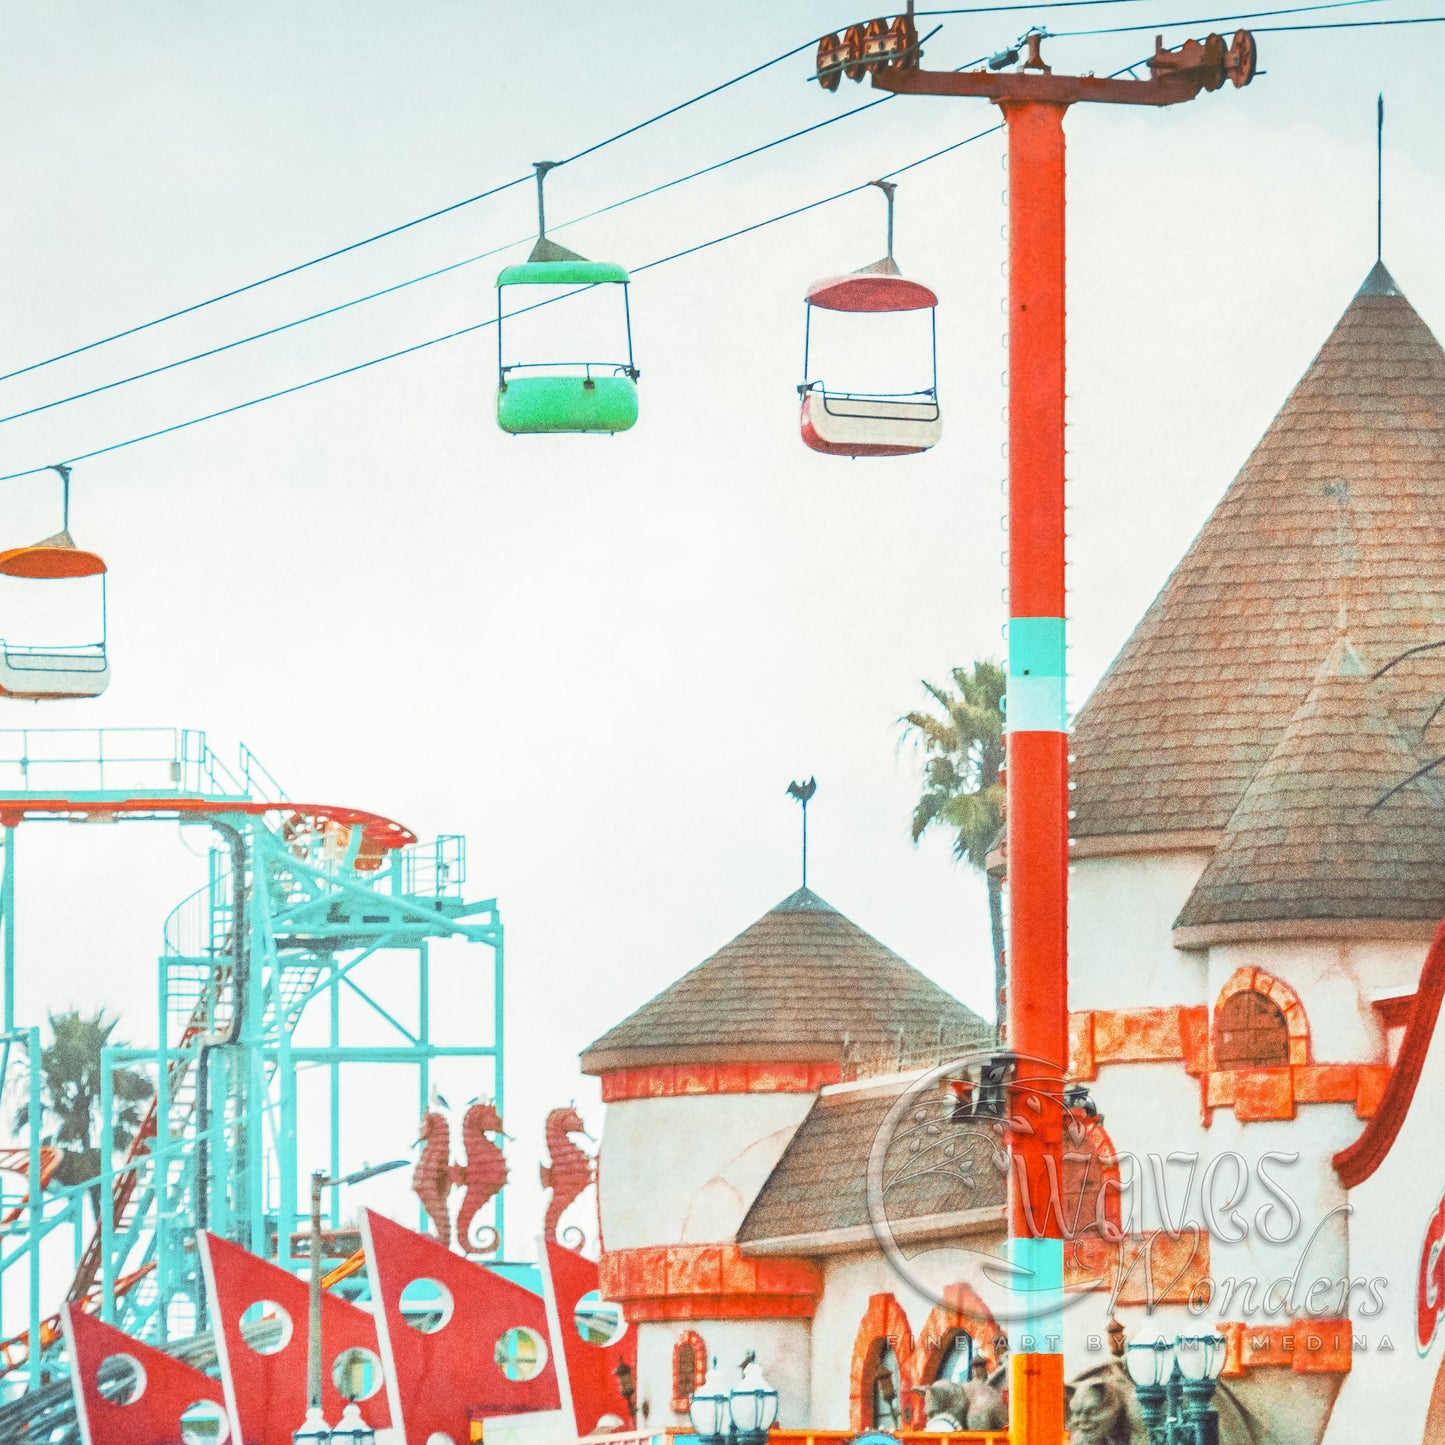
436,869
149,760
259,780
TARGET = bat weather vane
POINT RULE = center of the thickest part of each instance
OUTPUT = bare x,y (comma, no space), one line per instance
803,792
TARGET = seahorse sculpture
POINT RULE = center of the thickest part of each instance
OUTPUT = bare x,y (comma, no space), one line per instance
431,1180
570,1169
484,1173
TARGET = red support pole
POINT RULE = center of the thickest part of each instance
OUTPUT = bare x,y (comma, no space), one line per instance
1033,99
1037,752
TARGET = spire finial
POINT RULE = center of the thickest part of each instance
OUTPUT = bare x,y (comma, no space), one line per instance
803,792
1380,178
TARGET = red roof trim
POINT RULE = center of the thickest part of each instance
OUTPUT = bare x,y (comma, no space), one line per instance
1395,1012
1359,1161
871,291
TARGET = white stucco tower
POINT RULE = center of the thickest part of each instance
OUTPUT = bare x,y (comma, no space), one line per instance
705,1086
1259,858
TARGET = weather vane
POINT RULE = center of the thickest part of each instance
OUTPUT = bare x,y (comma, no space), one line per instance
803,792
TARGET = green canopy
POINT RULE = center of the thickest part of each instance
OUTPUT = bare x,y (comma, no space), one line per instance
562,273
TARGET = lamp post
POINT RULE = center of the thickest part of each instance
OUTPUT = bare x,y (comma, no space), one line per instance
1174,1383
754,1405
315,1430
740,1416
1199,1360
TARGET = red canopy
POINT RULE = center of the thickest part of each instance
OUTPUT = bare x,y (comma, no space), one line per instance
870,291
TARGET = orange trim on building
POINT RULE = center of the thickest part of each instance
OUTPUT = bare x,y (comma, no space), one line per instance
1145,1269
1138,1036
1395,1012
1309,1346
1276,1093
667,1081
1183,1033
707,1282
883,1322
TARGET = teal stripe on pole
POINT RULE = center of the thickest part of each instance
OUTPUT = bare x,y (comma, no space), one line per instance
1035,698
1038,1286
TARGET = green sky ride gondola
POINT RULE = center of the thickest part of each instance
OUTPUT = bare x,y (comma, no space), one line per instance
563,396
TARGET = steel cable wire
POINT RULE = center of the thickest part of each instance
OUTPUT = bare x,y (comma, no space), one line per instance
649,265
491,321
438,271
602,210
402,226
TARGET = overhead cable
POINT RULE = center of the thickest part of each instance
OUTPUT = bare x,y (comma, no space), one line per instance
1353,24
616,205
491,321
438,271
663,260
1218,19
397,229
507,185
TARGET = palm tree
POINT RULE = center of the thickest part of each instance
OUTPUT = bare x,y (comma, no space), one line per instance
70,1068
963,744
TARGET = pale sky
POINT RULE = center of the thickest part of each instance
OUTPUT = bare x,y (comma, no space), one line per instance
604,659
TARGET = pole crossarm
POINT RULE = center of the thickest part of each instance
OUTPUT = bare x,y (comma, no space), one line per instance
1175,76
1049,89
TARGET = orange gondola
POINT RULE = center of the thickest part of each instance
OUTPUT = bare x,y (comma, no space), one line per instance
35,671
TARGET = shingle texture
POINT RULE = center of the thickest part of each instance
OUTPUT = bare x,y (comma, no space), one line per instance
1311,838
792,987
1343,496
821,1182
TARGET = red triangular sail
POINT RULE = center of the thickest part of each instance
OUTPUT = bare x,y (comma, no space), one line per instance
266,1393
444,1380
168,1386
591,1370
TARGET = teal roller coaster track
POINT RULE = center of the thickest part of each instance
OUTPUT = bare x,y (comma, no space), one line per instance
304,908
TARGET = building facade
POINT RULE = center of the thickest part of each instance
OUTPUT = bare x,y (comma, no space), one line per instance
793,1160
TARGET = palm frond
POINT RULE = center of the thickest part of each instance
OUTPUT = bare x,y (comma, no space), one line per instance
964,752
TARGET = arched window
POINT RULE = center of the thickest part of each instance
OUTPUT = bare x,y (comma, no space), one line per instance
1250,1032
956,1358
882,1391
885,1387
689,1369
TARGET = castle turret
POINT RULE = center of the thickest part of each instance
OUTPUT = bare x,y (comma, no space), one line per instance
705,1085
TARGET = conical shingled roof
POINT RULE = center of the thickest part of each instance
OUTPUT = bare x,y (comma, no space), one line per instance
1200,695
792,987
1310,840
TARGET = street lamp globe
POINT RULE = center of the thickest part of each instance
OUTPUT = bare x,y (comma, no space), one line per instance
1201,1357
754,1406
709,1409
351,1429
314,1429
1149,1362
